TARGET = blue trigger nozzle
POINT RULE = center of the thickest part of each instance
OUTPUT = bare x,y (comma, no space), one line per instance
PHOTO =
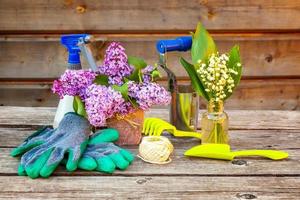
71,43
183,43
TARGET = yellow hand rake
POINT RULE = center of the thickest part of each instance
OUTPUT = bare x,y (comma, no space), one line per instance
156,126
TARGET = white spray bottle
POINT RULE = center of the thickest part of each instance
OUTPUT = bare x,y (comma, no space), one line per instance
71,42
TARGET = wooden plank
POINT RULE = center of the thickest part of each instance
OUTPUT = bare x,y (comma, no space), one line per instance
288,140
26,116
239,119
181,165
242,139
272,94
151,187
263,54
175,15
276,94
250,119
28,95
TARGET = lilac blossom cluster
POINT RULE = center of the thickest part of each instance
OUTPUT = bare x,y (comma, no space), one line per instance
146,72
102,103
73,82
115,64
148,94
126,108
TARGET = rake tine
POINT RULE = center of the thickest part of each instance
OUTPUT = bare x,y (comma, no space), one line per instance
156,131
160,129
152,127
146,126
149,126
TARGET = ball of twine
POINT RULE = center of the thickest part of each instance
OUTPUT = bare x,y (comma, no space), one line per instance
156,149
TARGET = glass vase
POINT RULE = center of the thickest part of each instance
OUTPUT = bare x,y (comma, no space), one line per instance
214,124
129,126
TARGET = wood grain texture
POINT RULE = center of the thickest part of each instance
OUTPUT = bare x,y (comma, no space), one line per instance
274,94
132,15
263,54
280,94
240,139
287,140
239,119
268,34
250,119
150,187
183,178
28,95
182,165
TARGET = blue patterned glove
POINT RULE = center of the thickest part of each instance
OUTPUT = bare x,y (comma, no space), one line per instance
46,148
104,156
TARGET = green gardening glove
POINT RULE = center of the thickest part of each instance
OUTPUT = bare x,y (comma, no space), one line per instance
46,148
102,155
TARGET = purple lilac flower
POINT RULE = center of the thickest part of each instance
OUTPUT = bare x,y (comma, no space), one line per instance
102,103
73,82
125,109
115,64
148,94
147,73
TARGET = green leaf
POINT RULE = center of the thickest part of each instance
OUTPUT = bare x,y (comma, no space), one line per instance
101,80
155,74
138,64
234,59
79,107
196,82
203,44
123,89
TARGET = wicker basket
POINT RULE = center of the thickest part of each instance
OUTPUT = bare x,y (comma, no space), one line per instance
129,127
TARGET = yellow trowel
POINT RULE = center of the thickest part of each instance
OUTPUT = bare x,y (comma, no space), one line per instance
222,151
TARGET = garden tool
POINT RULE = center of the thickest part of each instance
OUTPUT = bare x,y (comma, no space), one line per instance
71,43
222,151
46,148
155,126
185,102
103,155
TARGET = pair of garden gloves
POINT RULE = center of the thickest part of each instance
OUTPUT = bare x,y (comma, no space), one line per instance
71,143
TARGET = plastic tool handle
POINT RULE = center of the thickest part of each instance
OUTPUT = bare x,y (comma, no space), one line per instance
71,43
179,133
272,154
178,44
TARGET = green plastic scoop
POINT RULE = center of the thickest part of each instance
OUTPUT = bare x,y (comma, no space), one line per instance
222,151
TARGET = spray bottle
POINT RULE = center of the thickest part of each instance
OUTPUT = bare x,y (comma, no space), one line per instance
71,43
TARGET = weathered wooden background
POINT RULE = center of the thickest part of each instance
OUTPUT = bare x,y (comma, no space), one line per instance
268,32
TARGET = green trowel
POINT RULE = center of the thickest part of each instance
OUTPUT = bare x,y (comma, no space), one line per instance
222,151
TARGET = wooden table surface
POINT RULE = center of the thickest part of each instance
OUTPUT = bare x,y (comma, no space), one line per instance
183,178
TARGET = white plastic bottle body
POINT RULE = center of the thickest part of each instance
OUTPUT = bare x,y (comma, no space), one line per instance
65,105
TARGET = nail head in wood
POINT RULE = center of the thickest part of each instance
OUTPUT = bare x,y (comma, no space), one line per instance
246,196
239,162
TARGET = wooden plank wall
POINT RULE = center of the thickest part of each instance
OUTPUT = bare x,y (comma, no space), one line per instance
268,32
